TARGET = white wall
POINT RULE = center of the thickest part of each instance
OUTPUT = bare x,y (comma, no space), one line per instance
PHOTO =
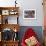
27,4
32,4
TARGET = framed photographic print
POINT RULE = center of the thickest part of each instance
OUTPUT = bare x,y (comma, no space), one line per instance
29,14
5,12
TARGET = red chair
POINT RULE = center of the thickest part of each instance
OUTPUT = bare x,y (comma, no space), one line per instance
29,33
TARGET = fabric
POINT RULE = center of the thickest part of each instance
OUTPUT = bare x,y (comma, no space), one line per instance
31,41
29,33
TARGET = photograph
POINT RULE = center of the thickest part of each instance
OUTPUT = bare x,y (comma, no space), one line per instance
29,14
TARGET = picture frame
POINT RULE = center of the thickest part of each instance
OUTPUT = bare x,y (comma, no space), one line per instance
5,12
29,13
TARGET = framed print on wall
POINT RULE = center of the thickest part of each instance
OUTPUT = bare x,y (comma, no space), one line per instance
29,14
5,12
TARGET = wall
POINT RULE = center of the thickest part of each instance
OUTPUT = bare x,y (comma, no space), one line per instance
32,4
27,4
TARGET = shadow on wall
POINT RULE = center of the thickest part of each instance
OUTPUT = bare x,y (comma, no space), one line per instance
37,29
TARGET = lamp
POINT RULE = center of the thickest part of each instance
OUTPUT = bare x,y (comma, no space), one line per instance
15,3
15,30
15,37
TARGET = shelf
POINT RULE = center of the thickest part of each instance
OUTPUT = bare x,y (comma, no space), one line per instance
5,8
7,23
10,15
11,41
8,10
5,12
10,26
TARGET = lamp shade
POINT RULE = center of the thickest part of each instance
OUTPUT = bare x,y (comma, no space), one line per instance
15,30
